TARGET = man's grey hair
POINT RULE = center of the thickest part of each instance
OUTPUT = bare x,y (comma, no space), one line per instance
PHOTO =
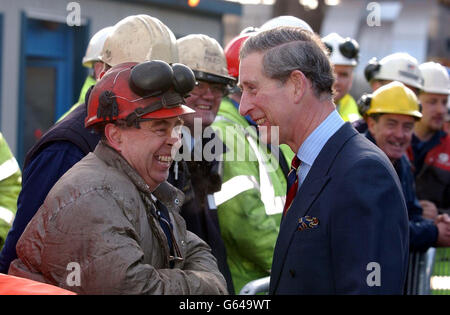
287,49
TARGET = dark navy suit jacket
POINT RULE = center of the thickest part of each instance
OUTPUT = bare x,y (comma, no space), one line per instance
359,242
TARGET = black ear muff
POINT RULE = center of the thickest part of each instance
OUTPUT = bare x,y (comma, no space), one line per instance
329,48
107,106
371,69
151,78
183,78
420,107
349,48
364,103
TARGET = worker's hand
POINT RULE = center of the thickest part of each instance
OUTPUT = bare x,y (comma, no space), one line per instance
430,211
443,224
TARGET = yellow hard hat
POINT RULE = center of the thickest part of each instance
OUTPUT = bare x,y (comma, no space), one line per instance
394,98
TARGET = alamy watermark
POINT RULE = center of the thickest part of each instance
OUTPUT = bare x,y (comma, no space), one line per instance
374,17
242,144
374,277
74,16
73,279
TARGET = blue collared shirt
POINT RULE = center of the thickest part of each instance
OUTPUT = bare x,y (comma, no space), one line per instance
310,149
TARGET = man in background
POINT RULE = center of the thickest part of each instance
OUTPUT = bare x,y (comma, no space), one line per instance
344,58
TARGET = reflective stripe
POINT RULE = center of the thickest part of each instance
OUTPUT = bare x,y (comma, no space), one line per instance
8,168
222,118
440,283
211,202
6,215
234,187
273,204
353,117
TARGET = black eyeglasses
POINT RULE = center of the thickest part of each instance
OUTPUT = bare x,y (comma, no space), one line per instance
349,48
218,90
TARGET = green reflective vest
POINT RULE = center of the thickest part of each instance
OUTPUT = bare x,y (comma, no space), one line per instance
252,197
10,186
348,109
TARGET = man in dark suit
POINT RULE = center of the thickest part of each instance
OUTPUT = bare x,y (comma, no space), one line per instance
346,230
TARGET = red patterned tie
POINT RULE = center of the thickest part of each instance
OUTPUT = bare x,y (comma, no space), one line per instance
292,184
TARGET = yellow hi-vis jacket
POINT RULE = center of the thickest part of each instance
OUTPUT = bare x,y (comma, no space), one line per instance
348,109
251,200
10,186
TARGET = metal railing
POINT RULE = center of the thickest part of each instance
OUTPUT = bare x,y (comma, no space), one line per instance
256,286
420,269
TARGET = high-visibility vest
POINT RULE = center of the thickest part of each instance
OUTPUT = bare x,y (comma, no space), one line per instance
348,109
251,200
10,186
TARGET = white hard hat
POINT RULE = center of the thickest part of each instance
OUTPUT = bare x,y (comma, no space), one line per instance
95,46
285,20
436,78
343,51
396,67
139,38
205,56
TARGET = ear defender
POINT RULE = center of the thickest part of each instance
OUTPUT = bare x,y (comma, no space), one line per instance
156,77
183,78
151,78
329,48
349,48
372,68
364,104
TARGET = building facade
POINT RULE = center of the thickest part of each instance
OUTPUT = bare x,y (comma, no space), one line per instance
42,43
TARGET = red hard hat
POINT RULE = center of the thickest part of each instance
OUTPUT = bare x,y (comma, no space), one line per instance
232,53
133,91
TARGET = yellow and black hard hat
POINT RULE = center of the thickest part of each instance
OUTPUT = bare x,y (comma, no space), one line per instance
394,98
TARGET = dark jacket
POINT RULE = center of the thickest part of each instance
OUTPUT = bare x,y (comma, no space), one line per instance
199,180
360,125
423,233
347,221
431,160
102,216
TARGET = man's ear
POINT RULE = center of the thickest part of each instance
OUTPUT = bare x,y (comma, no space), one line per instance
371,124
114,136
99,70
103,71
300,84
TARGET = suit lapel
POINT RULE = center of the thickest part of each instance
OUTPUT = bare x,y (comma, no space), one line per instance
309,191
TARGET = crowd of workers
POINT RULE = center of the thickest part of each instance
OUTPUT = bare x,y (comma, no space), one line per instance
111,188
